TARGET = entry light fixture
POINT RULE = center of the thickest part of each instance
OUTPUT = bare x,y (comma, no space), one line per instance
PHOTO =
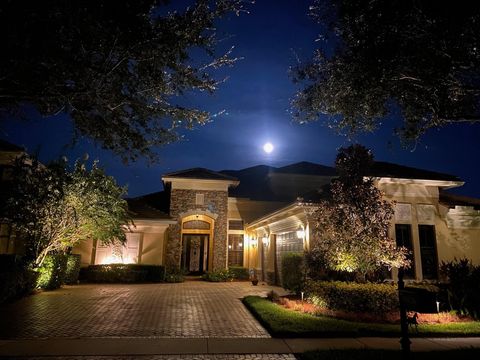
300,233
253,242
265,241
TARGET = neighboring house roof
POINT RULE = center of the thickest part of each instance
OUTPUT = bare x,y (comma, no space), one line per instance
390,170
9,147
451,200
153,206
254,183
200,174
307,168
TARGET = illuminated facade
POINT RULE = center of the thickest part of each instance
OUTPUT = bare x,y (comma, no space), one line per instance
206,220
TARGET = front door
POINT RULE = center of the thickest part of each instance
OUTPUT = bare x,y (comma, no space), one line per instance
195,253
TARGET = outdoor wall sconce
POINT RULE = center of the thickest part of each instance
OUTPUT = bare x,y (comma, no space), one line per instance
265,241
300,233
253,242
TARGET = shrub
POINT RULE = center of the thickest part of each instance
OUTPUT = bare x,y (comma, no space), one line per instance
52,272
380,299
73,269
17,279
123,273
238,272
175,276
218,276
293,272
463,286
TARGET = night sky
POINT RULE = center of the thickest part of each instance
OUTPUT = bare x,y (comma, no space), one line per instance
256,99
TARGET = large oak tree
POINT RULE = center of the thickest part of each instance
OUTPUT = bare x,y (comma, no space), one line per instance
117,68
377,57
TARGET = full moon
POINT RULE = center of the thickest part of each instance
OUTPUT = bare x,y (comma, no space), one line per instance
268,148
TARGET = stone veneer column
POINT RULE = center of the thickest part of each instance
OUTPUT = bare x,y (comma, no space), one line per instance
183,201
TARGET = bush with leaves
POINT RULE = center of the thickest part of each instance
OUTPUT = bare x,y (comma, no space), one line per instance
379,299
123,273
73,269
218,276
17,279
52,272
238,272
174,275
463,286
293,274
53,208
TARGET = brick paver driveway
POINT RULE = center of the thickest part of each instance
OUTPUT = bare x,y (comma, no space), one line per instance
190,309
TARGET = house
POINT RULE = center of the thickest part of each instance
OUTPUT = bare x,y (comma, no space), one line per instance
205,220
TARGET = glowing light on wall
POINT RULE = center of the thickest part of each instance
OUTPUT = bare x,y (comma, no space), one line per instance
300,233
265,241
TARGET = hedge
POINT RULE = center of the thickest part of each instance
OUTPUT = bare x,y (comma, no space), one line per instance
380,299
73,269
123,273
293,272
239,273
16,279
52,272
218,276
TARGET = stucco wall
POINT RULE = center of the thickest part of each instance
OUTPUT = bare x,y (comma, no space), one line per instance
454,241
85,250
451,243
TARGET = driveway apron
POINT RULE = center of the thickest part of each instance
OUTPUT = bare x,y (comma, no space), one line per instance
193,309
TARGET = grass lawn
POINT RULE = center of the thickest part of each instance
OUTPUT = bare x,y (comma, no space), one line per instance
389,355
281,322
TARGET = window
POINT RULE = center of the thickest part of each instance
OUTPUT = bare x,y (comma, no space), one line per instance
428,251
235,225
235,250
199,199
196,224
403,235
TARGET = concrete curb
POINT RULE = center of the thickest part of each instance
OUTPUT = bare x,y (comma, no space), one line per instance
181,346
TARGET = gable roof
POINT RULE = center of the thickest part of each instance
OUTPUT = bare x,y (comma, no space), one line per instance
150,207
200,174
307,168
390,170
451,200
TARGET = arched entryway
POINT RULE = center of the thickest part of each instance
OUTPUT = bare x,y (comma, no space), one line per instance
197,243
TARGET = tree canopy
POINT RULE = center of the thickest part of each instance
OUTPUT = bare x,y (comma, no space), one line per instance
117,68
377,57
350,231
53,208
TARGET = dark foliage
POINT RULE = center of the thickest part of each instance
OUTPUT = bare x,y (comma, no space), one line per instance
463,286
16,278
117,68
218,276
123,273
173,275
421,57
293,274
379,299
238,272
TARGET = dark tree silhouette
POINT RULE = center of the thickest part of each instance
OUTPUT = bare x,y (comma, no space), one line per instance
376,56
116,67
